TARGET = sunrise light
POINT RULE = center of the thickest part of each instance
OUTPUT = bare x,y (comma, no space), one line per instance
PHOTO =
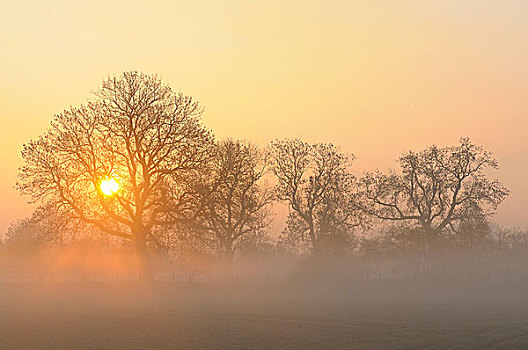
109,186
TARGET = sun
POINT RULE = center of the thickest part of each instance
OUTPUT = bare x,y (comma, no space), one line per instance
109,186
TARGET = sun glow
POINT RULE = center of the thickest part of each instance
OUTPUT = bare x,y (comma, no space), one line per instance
109,186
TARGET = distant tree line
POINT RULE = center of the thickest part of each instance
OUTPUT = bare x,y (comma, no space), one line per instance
183,193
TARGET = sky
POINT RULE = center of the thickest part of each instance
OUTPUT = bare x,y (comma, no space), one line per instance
374,77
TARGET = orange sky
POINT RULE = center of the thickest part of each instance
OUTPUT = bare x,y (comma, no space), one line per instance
376,77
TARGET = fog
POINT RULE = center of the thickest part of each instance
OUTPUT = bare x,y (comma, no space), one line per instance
367,314
85,295
152,233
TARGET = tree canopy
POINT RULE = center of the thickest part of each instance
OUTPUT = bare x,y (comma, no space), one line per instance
137,133
438,188
316,183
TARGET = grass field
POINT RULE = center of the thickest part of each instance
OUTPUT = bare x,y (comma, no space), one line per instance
364,315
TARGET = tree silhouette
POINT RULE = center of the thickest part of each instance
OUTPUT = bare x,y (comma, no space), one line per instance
315,182
237,200
438,189
138,135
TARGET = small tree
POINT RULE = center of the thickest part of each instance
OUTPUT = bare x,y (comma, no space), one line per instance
121,161
315,182
26,233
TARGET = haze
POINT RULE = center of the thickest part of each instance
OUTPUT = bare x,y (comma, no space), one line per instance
375,77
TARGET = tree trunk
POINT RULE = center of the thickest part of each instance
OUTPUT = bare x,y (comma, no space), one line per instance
140,243
316,244
228,255
431,236
228,252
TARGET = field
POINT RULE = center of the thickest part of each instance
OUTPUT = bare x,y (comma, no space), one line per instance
364,315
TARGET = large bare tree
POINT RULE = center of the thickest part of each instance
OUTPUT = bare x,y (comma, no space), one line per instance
121,162
314,180
438,189
237,198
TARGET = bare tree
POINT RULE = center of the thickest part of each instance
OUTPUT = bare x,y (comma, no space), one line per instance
57,224
25,233
237,198
121,161
438,189
314,180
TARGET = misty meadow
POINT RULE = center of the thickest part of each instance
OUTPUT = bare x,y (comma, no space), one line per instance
263,174
132,190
